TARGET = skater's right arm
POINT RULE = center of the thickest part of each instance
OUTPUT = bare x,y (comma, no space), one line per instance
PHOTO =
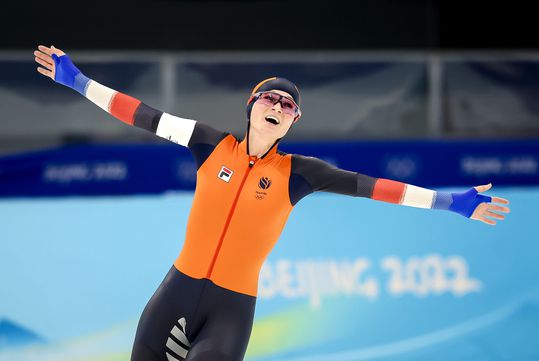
186,132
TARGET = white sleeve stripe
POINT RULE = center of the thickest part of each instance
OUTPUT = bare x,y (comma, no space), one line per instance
175,129
417,197
100,95
403,195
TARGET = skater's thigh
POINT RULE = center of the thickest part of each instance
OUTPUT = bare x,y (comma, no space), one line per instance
169,314
220,341
142,352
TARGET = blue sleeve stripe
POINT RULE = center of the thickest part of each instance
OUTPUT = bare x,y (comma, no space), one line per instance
81,83
442,200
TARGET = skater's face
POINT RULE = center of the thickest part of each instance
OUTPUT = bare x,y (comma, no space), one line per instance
272,119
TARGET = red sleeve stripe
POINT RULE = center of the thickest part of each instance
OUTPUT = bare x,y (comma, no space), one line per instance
123,107
388,190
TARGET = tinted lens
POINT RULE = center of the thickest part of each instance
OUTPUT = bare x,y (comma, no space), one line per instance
289,107
268,98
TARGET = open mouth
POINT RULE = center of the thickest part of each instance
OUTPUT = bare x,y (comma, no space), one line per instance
272,119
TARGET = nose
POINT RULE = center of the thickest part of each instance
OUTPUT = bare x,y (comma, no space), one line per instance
275,105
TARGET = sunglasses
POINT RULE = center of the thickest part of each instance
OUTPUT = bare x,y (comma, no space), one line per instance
269,99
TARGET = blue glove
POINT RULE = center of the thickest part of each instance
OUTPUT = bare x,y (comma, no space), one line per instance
463,203
68,74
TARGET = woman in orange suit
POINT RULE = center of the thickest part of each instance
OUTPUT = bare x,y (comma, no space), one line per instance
203,310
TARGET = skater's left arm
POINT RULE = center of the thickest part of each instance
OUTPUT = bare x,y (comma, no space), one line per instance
310,174
469,203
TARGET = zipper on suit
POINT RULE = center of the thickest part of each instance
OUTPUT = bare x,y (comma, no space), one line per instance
252,161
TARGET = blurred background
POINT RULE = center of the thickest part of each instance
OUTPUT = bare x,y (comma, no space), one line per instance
435,94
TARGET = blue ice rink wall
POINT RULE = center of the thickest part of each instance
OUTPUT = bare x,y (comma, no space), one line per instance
117,169
349,279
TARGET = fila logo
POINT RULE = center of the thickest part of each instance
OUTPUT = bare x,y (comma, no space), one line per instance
176,348
225,174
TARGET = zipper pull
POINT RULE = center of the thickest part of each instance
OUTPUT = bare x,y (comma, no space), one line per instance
251,162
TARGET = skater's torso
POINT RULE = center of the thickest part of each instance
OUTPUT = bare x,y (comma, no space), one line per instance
242,202
240,208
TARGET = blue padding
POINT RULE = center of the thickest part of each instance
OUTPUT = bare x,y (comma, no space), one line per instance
466,202
81,82
65,70
443,200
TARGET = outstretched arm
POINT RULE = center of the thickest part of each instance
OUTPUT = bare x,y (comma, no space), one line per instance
469,204
129,110
310,174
